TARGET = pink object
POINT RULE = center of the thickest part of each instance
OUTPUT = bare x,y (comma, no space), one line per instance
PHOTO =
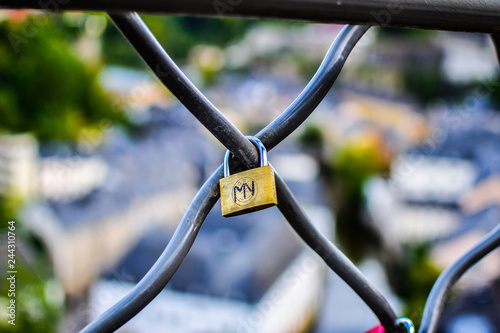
377,329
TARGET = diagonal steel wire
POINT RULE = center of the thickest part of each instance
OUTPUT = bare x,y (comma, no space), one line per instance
170,260
316,89
436,300
333,257
177,249
153,54
495,38
155,280
167,264
159,61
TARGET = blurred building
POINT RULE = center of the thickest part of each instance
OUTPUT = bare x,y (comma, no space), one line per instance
65,179
93,208
473,311
18,165
400,123
245,274
135,90
442,192
419,202
392,55
249,273
112,212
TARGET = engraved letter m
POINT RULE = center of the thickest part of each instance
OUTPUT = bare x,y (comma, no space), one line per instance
244,188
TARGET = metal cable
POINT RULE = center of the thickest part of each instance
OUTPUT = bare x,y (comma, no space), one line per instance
167,264
334,258
146,45
464,15
460,15
170,260
435,303
495,38
316,89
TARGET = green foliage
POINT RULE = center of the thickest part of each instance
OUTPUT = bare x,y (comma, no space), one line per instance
45,89
489,90
412,276
426,84
8,207
38,299
414,34
311,136
357,160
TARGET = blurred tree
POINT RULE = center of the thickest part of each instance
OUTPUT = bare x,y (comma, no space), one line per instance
360,158
38,298
414,34
312,140
489,90
418,60
355,161
311,136
45,88
343,175
412,276
425,83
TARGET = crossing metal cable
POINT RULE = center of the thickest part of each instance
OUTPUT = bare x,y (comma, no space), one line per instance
132,27
479,18
153,54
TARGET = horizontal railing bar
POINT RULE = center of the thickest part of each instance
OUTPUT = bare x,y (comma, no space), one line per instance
459,15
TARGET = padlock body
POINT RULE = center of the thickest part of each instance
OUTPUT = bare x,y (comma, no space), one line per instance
248,191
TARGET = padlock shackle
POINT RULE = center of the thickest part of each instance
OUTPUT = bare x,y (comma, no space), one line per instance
262,153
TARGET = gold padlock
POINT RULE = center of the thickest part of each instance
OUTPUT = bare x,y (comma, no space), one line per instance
250,190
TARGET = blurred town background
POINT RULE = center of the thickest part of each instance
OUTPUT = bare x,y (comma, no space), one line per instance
399,166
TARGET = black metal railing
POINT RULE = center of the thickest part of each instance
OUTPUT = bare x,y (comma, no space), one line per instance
459,15
473,15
